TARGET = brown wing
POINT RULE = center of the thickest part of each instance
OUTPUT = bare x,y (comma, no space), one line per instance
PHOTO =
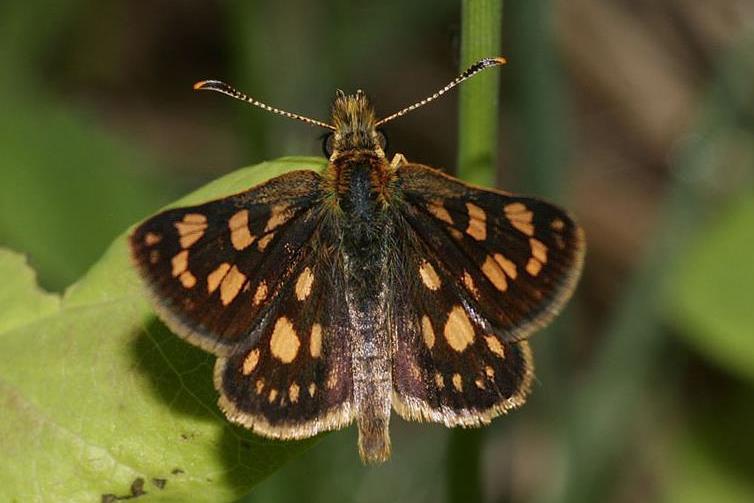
293,377
481,271
523,255
253,279
213,269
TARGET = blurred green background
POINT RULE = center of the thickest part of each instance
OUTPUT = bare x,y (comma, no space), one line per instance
637,116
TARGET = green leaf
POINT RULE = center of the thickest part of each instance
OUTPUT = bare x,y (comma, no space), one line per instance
710,296
21,301
98,394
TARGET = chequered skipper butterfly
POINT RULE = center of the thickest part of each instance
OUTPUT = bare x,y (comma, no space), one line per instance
378,284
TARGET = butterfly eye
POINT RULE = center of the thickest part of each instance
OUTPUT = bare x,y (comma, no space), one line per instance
328,144
382,139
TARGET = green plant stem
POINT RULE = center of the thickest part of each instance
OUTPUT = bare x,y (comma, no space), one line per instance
478,112
464,460
481,28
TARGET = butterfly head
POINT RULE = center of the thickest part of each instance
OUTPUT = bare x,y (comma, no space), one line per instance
352,116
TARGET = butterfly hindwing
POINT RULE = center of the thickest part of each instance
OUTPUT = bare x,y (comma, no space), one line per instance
448,366
292,378
482,270
213,269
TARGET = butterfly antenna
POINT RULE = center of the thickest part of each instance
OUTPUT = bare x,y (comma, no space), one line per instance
470,71
222,87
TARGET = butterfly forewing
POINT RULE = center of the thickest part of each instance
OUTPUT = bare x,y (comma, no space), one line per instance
214,268
514,259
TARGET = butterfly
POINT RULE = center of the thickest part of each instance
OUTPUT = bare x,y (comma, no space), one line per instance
376,285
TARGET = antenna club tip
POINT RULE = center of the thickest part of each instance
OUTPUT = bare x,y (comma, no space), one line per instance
200,85
500,60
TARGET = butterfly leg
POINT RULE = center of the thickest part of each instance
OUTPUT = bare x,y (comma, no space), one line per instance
398,160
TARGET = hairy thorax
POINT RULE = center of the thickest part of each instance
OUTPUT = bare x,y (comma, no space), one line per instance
359,183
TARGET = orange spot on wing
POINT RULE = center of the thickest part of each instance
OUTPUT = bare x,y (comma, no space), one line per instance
231,285
495,346
215,277
261,293
457,382
187,279
151,238
538,250
240,236
533,266
250,362
439,212
284,342
428,333
458,329
520,217
304,284
279,214
429,276
494,273
180,262
191,229
477,222
506,265
293,392
262,243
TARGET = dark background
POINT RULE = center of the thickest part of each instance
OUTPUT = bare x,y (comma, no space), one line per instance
637,115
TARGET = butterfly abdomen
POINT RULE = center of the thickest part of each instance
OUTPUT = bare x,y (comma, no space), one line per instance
371,365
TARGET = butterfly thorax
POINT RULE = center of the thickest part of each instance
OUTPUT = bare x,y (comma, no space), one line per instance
358,176
356,150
